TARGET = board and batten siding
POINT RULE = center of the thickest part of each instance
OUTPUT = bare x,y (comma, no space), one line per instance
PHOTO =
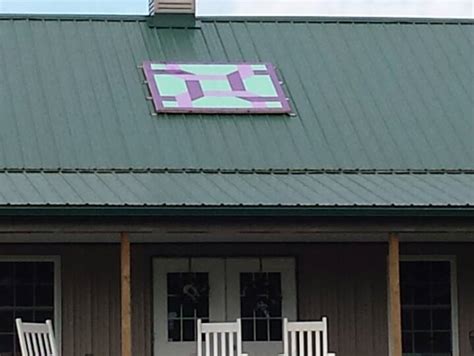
344,281
347,283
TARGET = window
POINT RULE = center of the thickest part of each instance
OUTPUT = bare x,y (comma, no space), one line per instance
27,291
261,306
188,300
215,88
427,308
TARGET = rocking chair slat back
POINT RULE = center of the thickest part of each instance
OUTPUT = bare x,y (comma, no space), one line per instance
36,339
218,339
305,338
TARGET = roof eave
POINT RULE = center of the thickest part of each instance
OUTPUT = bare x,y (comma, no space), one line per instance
240,211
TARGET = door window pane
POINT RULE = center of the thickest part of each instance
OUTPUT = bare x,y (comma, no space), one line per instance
188,300
426,308
261,306
26,292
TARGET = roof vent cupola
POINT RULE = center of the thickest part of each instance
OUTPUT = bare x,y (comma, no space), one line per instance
172,7
173,14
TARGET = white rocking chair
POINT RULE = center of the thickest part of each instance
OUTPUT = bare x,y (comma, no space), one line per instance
305,338
36,339
218,339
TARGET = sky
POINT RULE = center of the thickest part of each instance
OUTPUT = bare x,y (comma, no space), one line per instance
366,8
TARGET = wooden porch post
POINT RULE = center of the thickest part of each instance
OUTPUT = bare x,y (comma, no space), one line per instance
126,305
395,317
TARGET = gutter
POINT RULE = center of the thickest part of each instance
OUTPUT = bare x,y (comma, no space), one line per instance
236,211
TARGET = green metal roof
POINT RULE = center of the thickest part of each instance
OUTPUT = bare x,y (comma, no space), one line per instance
197,189
367,95
383,118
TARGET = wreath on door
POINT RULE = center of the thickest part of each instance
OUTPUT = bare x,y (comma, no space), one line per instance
194,290
262,295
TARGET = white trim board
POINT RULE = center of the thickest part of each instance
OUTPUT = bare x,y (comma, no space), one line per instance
57,287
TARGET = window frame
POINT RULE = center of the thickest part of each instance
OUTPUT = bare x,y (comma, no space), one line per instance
161,266
454,290
182,318
254,318
56,260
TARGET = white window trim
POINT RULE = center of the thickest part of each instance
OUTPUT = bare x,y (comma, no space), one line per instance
454,291
57,286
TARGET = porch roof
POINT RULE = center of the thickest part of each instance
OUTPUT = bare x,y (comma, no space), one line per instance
236,189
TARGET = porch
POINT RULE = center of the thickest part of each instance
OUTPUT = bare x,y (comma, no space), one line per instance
341,273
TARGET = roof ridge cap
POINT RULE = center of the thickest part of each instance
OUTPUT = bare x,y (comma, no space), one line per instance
340,19
73,17
230,18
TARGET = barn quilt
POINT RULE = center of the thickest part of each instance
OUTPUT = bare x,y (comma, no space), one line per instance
215,88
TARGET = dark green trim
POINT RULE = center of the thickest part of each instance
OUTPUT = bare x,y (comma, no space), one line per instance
251,171
467,211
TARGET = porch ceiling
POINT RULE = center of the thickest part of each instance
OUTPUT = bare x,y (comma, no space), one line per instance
237,189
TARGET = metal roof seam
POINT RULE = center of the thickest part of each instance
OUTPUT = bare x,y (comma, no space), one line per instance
263,171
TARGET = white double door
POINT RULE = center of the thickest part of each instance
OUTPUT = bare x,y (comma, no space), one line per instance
236,287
